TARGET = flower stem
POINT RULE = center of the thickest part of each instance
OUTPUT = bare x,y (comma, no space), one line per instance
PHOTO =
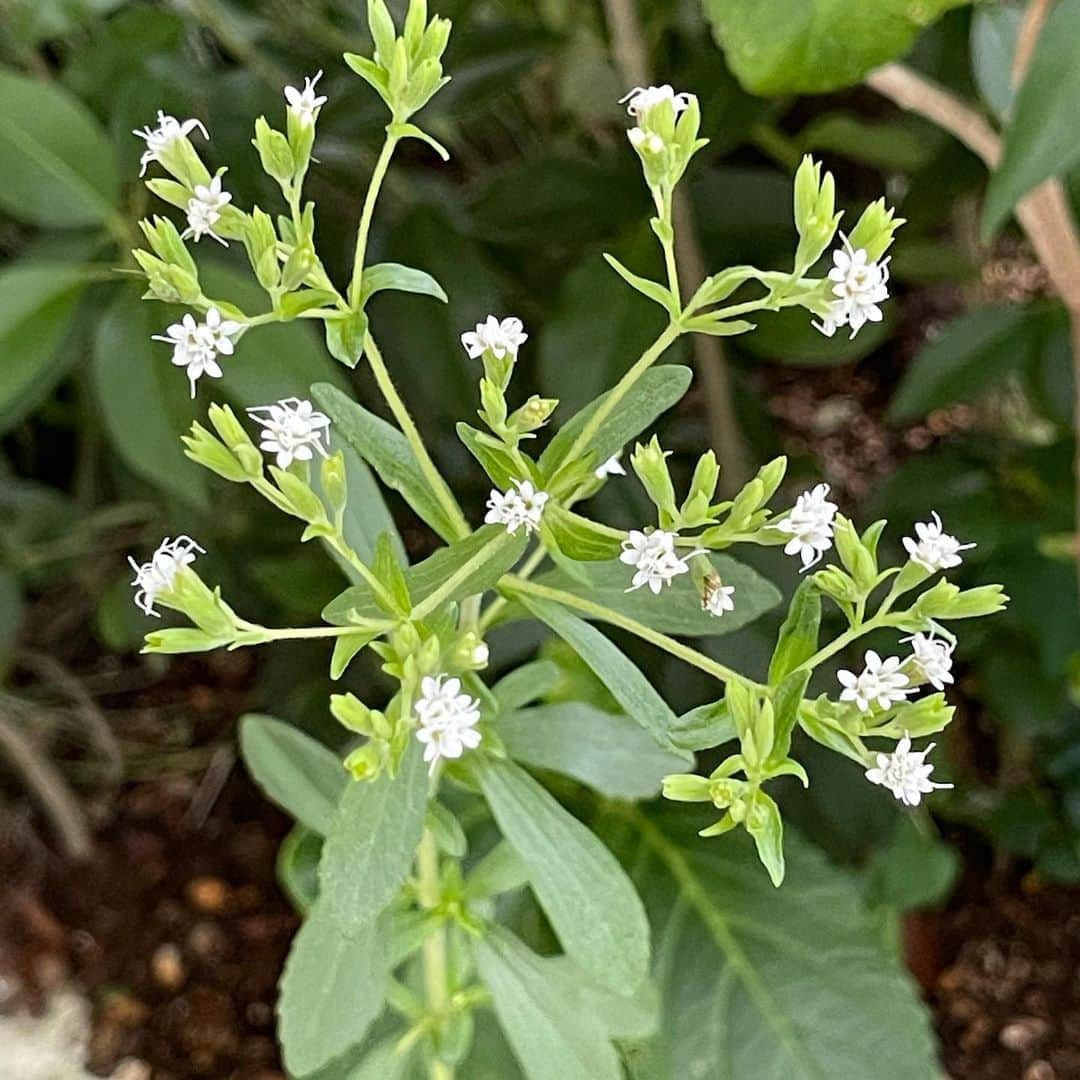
436,972
408,427
587,607
620,390
378,174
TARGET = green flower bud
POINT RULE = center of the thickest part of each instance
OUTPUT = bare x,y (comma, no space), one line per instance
367,762
202,448
875,229
350,712
685,787
815,216
858,561
167,244
832,581
650,464
304,503
181,160
275,154
181,639
533,415
335,482
924,716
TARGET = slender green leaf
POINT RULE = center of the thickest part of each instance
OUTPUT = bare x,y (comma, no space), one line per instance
371,843
657,293
651,396
37,306
299,774
677,610
331,990
525,684
1040,139
607,751
774,984
383,276
798,638
630,688
473,564
387,451
704,727
59,167
581,887
814,46
554,1037
994,30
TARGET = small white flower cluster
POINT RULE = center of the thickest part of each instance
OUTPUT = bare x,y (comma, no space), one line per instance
292,429
516,508
934,549
859,286
303,104
905,773
717,597
639,102
196,346
885,683
157,575
810,526
159,139
204,211
499,338
448,719
655,561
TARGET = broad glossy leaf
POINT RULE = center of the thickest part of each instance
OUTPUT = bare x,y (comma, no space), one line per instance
811,47
144,399
585,894
387,451
630,688
609,752
372,840
553,1035
294,770
59,167
774,984
677,609
1040,139
967,356
651,396
474,564
331,990
37,306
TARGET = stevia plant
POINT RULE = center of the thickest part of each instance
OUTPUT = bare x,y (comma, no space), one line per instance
407,937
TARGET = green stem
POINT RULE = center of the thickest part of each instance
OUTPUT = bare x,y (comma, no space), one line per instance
646,633
378,174
880,620
620,390
436,969
296,633
663,207
462,573
438,485
531,565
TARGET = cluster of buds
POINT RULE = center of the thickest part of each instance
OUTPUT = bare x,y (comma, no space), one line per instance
665,132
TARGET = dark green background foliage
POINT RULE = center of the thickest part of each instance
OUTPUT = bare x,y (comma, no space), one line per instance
540,182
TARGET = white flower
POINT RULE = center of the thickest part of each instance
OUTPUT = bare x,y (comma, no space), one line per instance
159,139
291,430
718,597
859,286
653,556
905,773
157,575
204,210
933,658
196,345
500,338
447,718
303,103
645,140
525,506
612,467
643,98
934,549
810,525
881,682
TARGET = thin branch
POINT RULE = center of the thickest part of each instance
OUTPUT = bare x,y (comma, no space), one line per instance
1030,28
725,434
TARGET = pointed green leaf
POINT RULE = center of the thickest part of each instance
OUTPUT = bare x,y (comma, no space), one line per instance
401,278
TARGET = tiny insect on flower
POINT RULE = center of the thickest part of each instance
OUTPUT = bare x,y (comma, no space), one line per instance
303,104
204,211
499,338
717,597
159,139
292,429
810,526
880,683
158,575
654,559
516,508
933,658
859,286
196,346
612,467
934,549
905,773
448,719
